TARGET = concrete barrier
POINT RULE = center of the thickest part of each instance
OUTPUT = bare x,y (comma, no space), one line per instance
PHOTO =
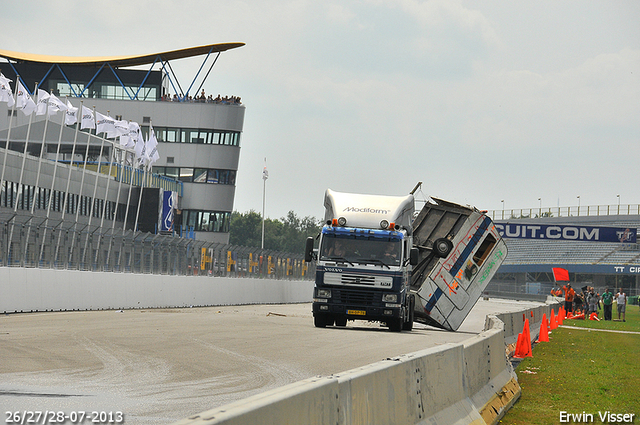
424,387
492,383
472,382
28,290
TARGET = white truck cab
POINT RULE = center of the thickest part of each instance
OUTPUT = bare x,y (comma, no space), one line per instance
363,260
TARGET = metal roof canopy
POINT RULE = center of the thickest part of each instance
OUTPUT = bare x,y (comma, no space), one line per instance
115,62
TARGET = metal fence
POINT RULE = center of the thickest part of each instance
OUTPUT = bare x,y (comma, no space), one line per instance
27,243
575,211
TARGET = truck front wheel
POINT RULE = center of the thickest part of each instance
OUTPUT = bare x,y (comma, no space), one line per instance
322,320
395,324
341,321
408,325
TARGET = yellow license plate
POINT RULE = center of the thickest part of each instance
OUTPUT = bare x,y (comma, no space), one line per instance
357,312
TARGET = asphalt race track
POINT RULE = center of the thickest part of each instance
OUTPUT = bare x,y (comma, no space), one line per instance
158,366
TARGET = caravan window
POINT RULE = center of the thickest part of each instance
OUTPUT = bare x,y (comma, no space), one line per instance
485,248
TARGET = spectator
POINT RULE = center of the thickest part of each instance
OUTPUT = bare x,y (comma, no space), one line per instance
585,298
621,299
607,303
556,291
578,303
569,295
593,300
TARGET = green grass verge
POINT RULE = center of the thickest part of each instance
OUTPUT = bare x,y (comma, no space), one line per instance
581,371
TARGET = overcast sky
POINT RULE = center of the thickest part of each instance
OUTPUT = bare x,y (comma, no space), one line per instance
482,101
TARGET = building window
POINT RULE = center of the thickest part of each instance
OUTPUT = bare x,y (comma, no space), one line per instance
197,175
207,221
200,175
194,135
186,174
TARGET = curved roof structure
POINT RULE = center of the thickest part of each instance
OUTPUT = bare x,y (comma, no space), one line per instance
119,61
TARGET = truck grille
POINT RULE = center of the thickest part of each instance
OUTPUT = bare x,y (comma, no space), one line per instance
347,296
357,279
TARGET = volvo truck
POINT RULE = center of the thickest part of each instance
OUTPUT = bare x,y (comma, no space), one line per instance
377,260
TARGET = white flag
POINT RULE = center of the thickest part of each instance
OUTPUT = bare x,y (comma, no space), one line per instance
87,119
43,102
24,101
121,129
131,138
72,114
105,124
55,105
139,147
151,148
6,95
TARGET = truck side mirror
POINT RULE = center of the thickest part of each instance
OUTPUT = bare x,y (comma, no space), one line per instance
413,256
308,250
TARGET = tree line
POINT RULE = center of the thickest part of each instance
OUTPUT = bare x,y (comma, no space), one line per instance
287,234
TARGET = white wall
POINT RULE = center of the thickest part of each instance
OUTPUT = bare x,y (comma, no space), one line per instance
25,290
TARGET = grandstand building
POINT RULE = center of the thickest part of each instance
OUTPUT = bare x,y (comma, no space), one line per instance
199,143
599,248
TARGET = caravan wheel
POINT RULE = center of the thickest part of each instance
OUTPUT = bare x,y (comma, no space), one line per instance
442,247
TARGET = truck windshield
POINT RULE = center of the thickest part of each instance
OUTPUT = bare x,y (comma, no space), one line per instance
361,250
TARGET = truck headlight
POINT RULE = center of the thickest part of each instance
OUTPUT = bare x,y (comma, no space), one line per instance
324,293
390,298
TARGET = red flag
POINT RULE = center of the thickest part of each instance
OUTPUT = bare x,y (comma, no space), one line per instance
560,275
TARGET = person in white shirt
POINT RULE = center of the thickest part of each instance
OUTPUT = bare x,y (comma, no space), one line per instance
621,299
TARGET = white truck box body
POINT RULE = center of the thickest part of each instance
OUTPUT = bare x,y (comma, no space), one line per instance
367,211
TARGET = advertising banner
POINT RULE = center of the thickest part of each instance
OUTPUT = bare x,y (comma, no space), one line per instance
567,232
169,203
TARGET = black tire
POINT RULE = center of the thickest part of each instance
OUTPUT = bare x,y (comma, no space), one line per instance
442,247
341,321
322,321
408,326
395,325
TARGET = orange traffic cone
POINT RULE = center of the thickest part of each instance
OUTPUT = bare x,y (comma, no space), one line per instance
519,352
526,333
544,331
560,316
523,349
552,322
594,316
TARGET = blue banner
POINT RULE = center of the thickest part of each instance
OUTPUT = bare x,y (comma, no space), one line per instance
168,205
561,232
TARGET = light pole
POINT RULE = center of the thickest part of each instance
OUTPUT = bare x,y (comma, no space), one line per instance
540,201
502,208
578,204
618,204
265,176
